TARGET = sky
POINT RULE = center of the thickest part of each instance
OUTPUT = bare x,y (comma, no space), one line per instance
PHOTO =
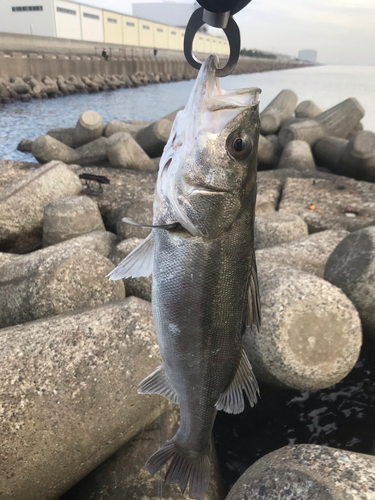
342,31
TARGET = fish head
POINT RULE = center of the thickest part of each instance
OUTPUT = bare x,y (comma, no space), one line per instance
208,169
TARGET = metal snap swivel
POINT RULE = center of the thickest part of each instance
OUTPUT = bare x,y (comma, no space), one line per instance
231,31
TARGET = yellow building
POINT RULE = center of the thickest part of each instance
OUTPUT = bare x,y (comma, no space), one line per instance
113,32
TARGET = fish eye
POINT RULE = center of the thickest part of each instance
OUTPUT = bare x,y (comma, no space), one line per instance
239,146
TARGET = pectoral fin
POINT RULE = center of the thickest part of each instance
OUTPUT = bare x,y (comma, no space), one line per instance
139,262
158,383
232,400
253,307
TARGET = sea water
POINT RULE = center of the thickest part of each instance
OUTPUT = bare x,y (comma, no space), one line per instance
326,85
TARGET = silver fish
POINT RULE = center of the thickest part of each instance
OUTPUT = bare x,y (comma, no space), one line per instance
204,287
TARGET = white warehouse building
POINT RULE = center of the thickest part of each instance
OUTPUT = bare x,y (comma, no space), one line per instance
72,20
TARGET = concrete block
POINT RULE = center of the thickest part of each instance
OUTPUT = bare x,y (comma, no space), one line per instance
22,205
45,149
153,138
307,109
278,110
297,155
66,218
123,151
351,267
307,471
70,400
311,333
89,127
275,228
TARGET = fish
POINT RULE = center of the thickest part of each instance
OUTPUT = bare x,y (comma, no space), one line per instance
204,286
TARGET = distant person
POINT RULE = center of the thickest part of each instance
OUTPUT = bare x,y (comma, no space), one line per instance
105,55
155,53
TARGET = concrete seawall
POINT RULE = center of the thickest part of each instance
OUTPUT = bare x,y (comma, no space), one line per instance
39,66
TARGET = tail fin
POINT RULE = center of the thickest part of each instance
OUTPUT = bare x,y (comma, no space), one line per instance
183,468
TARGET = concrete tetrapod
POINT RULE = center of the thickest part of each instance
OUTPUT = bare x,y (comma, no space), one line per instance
353,158
123,151
311,334
309,253
52,281
132,127
307,109
279,109
22,205
308,472
297,155
153,138
123,475
275,228
338,121
351,267
70,400
45,148
69,217
267,152
64,135
88,128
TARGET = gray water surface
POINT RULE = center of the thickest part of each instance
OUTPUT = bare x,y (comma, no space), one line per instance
326,85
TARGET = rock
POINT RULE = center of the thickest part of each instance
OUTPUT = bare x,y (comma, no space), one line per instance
267,151
39,285
77,377
22,205
311,334
278,110
358,158
139,287
132,127
88,128
66,218
45,149
308,472
307,109
336,122
64,135
153,138
309,253
123,475
351,267
125,187
25,146
332,203
95,152
19,86
297,155
263,205
274,228
123,151
327,153
140,211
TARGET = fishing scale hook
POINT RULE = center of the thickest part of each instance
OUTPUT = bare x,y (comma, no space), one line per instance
218,14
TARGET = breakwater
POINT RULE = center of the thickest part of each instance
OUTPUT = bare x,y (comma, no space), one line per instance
24,76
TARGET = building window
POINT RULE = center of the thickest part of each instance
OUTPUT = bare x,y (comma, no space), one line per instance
128,23
145,27
91,16
159,30
22,9
111,20
66,11
173,32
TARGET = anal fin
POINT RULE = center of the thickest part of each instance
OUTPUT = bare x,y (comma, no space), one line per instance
139,262
158,383
244,381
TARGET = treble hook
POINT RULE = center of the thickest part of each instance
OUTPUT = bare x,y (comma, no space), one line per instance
219,15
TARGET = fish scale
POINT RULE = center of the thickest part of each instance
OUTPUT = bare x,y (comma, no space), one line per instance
204,286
